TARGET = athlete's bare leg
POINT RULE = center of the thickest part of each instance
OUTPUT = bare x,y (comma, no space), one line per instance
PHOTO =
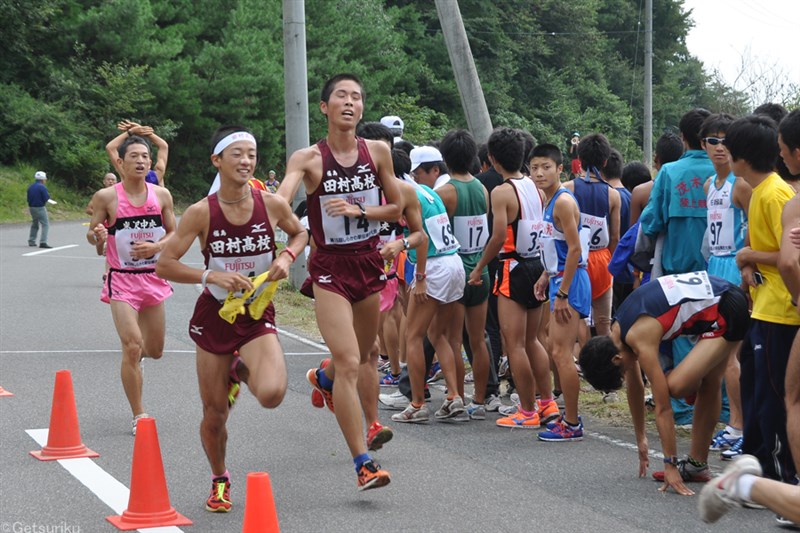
537,356
514,322
732,387
212,377
793,406
129,328
266,370
562,339
439,334
476,325
418,319
368,386
349,331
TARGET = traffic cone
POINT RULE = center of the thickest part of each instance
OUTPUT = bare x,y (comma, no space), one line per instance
148,504
4,392
260,515
64,437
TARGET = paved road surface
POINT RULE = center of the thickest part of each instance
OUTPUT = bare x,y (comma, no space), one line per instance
445,477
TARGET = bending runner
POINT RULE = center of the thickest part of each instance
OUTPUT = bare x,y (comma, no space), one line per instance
139,220
235,227
342,175
682,304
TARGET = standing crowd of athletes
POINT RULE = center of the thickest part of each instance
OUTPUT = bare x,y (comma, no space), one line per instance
416,252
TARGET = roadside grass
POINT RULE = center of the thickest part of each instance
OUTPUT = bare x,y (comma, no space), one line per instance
295,311
14,182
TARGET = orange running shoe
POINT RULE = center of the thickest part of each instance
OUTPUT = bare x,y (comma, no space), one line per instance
219,501
547,413
327,395
518,420
377,436
370,476
317,399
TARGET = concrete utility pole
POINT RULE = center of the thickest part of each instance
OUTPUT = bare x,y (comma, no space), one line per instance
469,86
647,134
295,101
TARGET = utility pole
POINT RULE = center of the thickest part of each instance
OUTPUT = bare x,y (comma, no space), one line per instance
469,86
647,135
295,101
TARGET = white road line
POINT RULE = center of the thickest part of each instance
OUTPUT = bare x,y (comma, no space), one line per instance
101,483
48,250
316,345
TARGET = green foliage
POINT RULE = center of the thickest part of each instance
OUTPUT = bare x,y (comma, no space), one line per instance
76,67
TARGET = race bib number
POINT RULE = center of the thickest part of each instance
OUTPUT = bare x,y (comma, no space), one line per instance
340,230
441,234
125,238
598,231
471,232
529,237
720,231
689,286
549,255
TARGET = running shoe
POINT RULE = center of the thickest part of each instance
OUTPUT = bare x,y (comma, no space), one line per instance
722,441
377,436
219,501
450,408
469,378
476,411
327,395
611,397
785,523
370,476
317,400
720,495
508,410
390,380
547,413
518,420
493,403
689,472
560,431
136,421
411,414
395,401
435,373
503,370
734,451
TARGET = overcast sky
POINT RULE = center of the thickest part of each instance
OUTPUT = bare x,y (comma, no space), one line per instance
725,31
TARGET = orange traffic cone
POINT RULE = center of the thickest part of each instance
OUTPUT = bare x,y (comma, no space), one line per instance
64,437
4,392
148,504
260,515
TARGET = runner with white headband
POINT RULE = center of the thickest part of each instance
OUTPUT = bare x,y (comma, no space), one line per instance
235,226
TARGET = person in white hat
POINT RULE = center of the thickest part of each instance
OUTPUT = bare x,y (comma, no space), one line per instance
395,125
38,198
427,166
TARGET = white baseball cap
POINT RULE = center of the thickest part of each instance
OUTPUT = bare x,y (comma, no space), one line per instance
393,123
40,175
424,154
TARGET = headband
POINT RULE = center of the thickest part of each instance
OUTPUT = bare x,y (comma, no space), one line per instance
232,138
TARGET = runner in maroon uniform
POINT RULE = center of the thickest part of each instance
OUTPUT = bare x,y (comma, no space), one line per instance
341,175
235,228
681,304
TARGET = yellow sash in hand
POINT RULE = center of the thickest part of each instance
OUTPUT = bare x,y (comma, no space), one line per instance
235,306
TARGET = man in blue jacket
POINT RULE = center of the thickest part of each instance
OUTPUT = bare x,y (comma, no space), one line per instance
38,198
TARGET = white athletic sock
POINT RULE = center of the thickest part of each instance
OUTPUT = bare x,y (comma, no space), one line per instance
733,432
744,485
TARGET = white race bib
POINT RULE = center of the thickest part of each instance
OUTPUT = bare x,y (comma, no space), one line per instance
720,231
692,286
125,238
598,231
441,234
529,237
471,232
347,230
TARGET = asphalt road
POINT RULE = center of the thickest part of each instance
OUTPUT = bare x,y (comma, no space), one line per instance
446,477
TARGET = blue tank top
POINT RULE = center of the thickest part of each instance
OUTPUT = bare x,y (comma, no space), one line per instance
554,244
624,210
592,199
727,224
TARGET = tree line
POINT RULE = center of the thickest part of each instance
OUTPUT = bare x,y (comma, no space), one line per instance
71,69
